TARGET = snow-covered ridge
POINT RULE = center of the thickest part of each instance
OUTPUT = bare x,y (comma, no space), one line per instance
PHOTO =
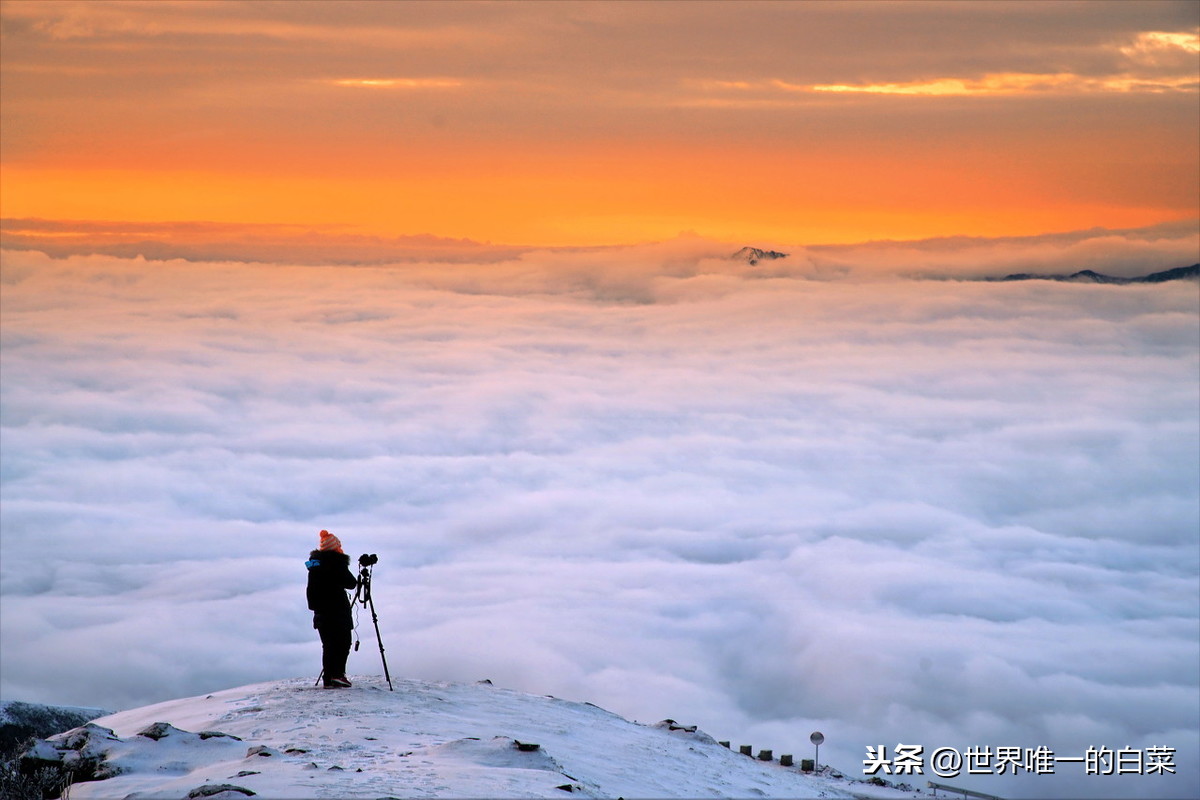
290,739
22,721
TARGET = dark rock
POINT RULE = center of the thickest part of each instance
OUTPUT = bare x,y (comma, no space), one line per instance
209,789
159,730
672,725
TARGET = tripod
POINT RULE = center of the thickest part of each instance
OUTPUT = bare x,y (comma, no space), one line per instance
362,594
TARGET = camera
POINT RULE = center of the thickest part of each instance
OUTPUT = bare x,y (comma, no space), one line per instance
366,560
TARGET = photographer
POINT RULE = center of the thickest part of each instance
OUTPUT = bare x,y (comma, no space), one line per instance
329,578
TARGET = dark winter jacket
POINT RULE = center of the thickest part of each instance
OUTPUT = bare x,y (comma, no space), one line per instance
329,577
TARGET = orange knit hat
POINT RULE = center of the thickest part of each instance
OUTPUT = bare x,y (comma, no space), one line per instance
330,542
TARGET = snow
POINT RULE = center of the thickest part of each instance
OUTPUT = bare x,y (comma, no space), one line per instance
296,740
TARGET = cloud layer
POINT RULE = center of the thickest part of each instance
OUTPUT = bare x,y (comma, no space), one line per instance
768,502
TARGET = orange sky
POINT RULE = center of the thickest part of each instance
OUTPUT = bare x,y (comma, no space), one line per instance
602,123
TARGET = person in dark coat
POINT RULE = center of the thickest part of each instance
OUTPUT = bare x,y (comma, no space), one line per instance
329,578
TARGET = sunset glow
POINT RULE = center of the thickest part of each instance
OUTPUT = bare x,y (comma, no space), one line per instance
585,124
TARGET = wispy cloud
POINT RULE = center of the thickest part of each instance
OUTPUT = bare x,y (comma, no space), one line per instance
1014,84
1153,46
138,23
224,241
1153,61
398,83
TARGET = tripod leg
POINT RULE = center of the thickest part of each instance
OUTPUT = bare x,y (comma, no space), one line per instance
319,677
378,638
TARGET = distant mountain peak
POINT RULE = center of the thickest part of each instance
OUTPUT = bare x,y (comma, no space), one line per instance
1091,276
752,255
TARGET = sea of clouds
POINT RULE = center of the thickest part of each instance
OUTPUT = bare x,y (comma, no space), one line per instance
768,500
